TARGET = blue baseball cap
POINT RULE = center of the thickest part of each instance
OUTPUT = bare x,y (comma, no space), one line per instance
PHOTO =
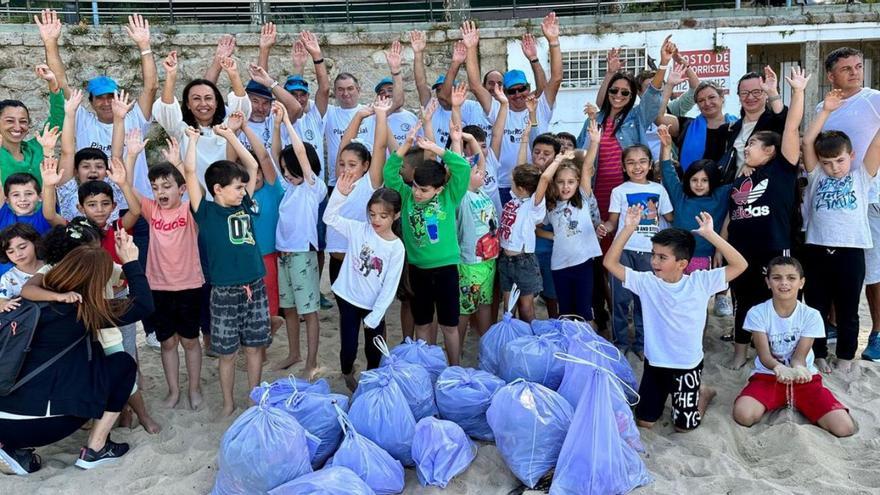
296,83
102,85
439,82
258,89
514,78
383,82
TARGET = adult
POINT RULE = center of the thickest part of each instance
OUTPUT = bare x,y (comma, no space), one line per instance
310,125
402,120
859,118
83,383
202,108
762,110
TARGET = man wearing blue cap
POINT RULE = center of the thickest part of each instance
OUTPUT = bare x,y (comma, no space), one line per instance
401,121
310,126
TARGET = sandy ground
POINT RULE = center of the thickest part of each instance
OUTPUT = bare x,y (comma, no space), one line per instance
782,454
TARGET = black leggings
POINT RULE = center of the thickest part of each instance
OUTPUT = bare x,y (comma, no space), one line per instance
350,318
335,267
120,370
750,289
835,276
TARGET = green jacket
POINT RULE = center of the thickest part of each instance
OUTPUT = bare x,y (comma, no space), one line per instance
31,149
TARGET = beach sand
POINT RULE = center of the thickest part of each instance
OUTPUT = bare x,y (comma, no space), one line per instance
781,454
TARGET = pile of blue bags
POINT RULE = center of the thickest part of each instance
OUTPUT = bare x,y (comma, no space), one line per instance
463,395
493,342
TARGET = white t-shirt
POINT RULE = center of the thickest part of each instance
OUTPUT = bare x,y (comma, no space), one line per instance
354,208
574,237
336,121
784,333
859,118
476,219
68,200
371,271
514,127
11,283
490,181
92,133
838,208
297,227
674,314
310,128
653,198
471,114
518,220
399,123
263,130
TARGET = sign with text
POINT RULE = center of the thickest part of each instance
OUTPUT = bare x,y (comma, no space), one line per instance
710,65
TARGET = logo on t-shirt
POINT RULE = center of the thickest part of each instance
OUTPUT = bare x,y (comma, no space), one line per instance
309,134
368,262
508,218
745,195
835,194
571,222
425,222
650,202
240,228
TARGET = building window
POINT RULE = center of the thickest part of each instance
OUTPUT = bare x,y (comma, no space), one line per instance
585,69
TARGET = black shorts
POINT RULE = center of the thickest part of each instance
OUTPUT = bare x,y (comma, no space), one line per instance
177,312
434,287
684,386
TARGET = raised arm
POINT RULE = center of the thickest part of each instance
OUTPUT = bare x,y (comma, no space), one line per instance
300,151
227,132
259,74
138,30
68,135
770,85
190,171
51,178
49,26
380,141
459,55
530,51
548,174
263,158
471,37
612,257
418,43
791,137
118,175
676,76
393,58
268,37
322,95
736,263
833,101
230,67
500,120
170,66
590,158
612,66
225,49
351,131
550,28
134,146
121,107
457,98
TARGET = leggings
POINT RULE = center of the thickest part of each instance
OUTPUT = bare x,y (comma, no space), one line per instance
574,290
335,267
835,276
750,289
350,318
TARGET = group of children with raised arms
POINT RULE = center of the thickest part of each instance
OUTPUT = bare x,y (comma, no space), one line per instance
427,225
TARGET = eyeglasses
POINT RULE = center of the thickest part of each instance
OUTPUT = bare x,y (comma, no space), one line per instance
623,92
755,93
516,90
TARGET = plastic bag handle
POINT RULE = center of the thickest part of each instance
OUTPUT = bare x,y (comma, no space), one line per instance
511,300
380,344
617,381
265,397
292,379
572,318
597,345
344,422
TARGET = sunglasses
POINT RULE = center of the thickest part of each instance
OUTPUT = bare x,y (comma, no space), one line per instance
623,92
516,90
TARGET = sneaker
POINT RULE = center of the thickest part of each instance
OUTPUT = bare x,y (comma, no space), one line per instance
112,451
830,334
723,307
872,351
19,461
325,303
152,341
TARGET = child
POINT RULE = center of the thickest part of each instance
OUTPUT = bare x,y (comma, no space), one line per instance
517,263
838,232
296,239
430,237
572,211
673,328
637,189
239,306
783,330
370,273
22,205
21,245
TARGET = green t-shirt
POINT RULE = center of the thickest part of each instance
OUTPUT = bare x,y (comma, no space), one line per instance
231,247
31,149
429,231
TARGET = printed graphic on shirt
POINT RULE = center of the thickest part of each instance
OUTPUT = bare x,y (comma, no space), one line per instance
241,230
163,225
571,223
783,343
425,222
745,196
508,218
650,222
836,194
368,262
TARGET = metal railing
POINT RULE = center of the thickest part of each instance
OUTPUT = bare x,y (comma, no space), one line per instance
333,12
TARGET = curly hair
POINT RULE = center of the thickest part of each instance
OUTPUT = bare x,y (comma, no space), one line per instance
63,239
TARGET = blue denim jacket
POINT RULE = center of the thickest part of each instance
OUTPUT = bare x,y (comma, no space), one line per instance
634,126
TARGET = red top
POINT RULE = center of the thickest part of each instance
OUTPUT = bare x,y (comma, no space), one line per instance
609,172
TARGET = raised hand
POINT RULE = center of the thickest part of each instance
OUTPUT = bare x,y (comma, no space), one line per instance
268,35
135,143
426,144
298,54
117,171
45,73
498,92
594,132
366,110
454,132
49,172
550,27
224,131
393,57
459,52
382,105
532,103
470,34
229,65
612,60
707,227
667,50
677,75
125,247
310,41
279,112
411,135
259,75
74,101
171,151
633,216
833,100
663,134
48,137
590,110
138,30
428,110
345,183
798,79
170,63
121,105
417,41
529,46
233,123
770,82
49,25
225,47
193,135
459,95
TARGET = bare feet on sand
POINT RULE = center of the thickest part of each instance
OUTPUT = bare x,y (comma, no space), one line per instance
275,322
822,365
844,365
125,418
312,374
350,381
150,425
226,412
287,363
195,399
171,399
737,362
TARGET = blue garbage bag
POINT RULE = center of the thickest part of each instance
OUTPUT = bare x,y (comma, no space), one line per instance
432,357
280,389
492,343
532,358
413,379
381,414
540,327
529,422
264,447
381,472
442,450
328,481
592,347
595,457
317,414
463,395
